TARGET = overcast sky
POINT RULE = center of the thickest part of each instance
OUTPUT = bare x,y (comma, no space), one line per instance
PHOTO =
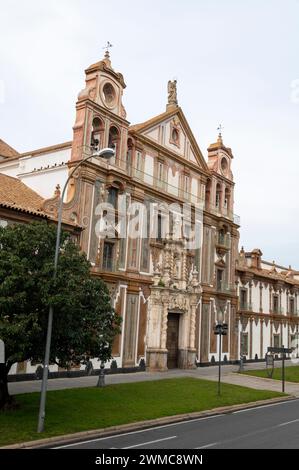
236,63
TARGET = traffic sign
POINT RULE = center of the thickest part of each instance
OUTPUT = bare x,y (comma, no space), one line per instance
282,351
279,350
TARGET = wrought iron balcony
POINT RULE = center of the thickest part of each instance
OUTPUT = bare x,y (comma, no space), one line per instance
223,212
278,311
245,306
223,240
224,288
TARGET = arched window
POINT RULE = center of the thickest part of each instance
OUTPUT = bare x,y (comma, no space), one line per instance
218,196
227,199
113,141
208,193
97,134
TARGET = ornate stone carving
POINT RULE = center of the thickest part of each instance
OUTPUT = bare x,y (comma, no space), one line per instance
178,302
172,92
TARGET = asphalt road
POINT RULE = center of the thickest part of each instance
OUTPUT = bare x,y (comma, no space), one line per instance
268,427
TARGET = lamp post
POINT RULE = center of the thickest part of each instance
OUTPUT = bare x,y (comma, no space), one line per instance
104,153
220,329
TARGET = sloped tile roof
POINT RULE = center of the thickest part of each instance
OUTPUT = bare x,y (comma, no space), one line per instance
6,150
152,121
16,195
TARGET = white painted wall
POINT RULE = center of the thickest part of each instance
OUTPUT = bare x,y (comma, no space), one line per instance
40,172
266,337
284,301
194,190
45,182
284,339
256,336
266,299
149,169
173,182
175,148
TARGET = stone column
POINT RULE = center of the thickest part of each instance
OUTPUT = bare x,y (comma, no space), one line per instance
191,351
251,338
164,326
192,325
204,340
156,354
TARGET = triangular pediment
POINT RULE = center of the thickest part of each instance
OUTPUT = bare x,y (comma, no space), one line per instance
172,131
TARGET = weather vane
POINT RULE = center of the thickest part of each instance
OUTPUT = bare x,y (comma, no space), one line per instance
108,46
220,128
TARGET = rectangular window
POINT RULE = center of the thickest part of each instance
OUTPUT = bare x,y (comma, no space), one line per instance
160,175
275,303
160,171
122,253
108,256
292,306
186,187
276,341
219,276
217,200
244,344
112,197
133,253
159,228
129,161
139,165
243,299
145,247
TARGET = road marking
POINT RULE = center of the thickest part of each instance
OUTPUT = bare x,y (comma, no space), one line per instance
254,433
263,406
207,445
139,431
288,422
151,442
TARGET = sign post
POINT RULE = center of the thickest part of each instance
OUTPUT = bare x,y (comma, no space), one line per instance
282,351
2,361
2,352
221,330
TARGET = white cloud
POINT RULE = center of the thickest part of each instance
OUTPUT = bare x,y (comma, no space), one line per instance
236,63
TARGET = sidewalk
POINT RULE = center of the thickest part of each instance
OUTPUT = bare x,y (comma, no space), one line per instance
210,373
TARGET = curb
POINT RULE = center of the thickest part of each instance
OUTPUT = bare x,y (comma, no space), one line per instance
266,378
124,428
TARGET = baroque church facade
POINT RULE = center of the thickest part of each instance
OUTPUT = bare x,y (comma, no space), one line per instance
169,292
169,296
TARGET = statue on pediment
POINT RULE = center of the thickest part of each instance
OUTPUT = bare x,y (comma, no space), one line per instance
172,92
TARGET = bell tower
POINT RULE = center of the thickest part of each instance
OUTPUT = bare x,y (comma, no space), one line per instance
221,186
100,114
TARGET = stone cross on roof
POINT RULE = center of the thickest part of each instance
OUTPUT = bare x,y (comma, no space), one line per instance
107,47
220,128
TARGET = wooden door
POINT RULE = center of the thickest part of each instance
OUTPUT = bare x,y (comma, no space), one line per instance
172,344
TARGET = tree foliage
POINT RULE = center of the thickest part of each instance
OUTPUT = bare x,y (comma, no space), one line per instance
84,322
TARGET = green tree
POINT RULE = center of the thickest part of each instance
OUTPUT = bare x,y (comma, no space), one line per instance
84,323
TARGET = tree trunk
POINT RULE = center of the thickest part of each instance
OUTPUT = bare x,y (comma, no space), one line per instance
5,398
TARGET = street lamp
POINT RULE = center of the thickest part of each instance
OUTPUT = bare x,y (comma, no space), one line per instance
220,329
106,153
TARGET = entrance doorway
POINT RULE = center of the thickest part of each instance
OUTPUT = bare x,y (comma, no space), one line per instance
172,344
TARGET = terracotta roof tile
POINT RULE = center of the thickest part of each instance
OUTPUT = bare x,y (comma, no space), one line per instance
15,194
6,150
